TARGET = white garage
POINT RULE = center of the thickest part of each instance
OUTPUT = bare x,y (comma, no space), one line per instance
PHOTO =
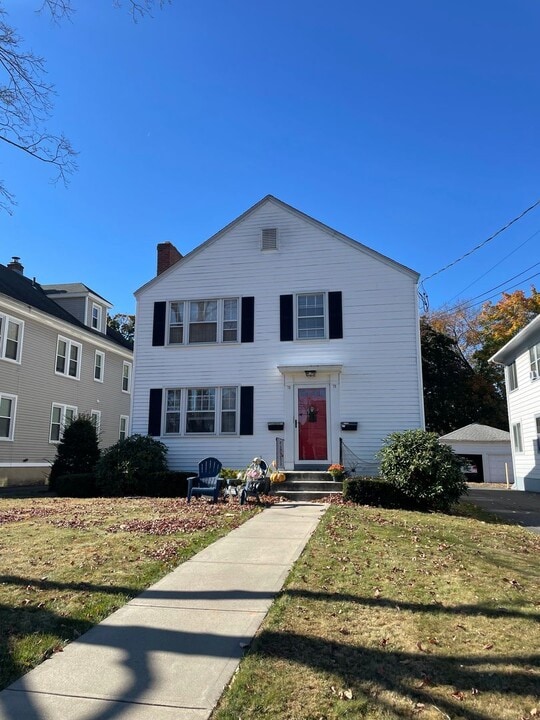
487,451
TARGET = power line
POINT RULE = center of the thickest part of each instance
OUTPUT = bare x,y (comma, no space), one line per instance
494,266
489,239
470,303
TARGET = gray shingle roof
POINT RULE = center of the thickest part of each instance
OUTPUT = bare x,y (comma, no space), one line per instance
479,433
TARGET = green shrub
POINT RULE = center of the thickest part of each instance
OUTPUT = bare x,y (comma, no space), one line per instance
77,452
426,471
231,475
375,492
165,483
124,467
77,485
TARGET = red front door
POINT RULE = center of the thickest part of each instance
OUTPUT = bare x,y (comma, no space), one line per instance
311,424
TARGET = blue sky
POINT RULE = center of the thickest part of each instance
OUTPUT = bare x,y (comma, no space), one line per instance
412,127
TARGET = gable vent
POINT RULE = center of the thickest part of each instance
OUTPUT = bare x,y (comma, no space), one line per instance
269,239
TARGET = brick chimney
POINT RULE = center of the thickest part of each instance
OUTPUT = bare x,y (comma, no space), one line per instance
167,255
16,266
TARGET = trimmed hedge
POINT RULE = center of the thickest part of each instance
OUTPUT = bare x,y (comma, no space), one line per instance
81,485
166,483
376,493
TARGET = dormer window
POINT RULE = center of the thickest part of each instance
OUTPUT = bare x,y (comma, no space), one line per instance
269,239
96,317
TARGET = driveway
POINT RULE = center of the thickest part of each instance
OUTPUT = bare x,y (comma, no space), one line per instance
513,506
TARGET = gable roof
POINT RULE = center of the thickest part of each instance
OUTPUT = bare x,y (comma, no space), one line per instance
299,214
520,341
478,433
72,289
30,292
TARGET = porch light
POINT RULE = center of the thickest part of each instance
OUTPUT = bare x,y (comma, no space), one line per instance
310,373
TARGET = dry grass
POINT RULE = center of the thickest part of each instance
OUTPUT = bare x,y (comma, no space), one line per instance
400,615
65,564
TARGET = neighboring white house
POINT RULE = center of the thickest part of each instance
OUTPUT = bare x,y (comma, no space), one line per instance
487,451
58,359
521,358
277,337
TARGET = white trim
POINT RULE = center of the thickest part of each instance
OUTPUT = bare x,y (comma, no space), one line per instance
6,320
12,417
69,344
63,409
126,418
102,355
99,326
312,386
24,464
97,424
129,376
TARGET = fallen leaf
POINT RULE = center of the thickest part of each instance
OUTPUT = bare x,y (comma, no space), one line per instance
488,646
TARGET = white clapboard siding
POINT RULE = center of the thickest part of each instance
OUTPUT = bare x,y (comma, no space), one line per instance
380,380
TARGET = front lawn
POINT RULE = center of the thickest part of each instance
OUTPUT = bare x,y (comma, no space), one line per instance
392,614
66,564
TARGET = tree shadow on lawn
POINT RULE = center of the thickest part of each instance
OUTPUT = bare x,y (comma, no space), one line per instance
369,671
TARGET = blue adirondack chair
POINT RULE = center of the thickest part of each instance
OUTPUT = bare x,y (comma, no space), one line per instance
207,482
258,487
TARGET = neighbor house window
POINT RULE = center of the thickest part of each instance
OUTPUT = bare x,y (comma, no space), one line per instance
8,406
310,316
61,417
99,365
95,417
512,377
68,358
534,355
96,316
537,419
201,410
126,377
124,425
204,321
517,437
11,331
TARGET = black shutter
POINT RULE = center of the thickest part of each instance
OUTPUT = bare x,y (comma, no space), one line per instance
248,320
286,318
158,331
335,315
154,412
246,410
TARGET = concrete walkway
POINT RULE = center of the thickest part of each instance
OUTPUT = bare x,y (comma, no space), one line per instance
169,653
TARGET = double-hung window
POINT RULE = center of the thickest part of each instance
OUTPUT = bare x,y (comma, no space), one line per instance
99,366
212,411
124,425
203,321
11,332
517,437
126,377
95,416
512,377
534,356
537,421
68,358
8,406
310,316
61,417
97,313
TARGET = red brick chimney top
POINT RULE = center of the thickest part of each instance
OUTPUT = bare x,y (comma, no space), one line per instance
167,255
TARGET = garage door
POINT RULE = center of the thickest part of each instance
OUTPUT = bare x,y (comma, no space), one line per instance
497,471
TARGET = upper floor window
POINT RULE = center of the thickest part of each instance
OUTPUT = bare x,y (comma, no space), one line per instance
517,437
537,419
97,313
126,377
512,376
68,357
61,417
310,315
203,321
201,411
534,355
11,331
99,366
8,406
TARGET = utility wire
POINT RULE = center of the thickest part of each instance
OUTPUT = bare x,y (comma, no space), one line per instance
470,303
489,239
494,266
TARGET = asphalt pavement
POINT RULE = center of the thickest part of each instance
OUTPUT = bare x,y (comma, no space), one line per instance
513,506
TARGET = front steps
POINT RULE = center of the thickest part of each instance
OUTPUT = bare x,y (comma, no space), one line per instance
307,485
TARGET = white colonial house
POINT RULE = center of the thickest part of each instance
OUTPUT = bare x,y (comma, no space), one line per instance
521,358
277,337
58,359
